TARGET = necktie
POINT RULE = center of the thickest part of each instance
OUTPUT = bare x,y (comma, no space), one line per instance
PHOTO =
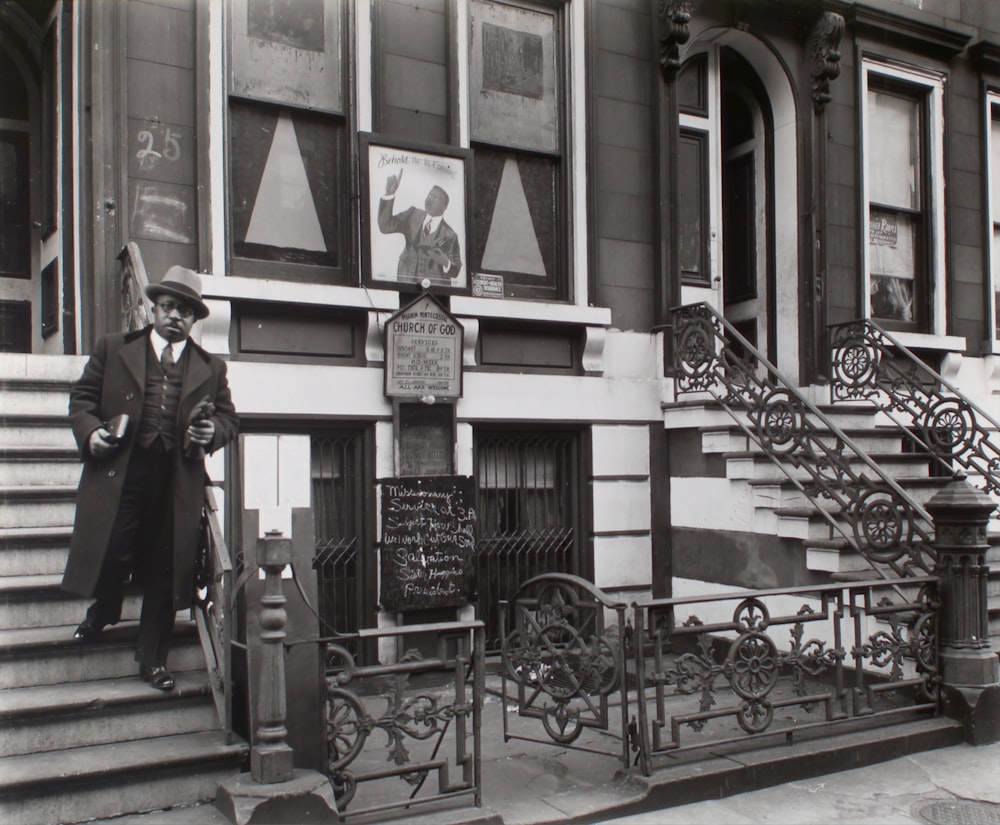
167,358
427,228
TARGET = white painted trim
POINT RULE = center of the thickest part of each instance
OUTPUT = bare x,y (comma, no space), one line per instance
576,75
264,289
933,85
363,67
992,254
462,79
530,310
218,70
81,53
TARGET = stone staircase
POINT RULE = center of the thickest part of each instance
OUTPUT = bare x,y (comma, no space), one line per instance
781,510
82,736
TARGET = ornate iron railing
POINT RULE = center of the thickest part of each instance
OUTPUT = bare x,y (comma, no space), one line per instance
870,511
213,606
133,289
424,708
869,364
566,663
783,664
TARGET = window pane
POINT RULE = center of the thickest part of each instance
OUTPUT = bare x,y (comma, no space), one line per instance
892,258
893,149
692,193
995,162
286,185
15,217
516,232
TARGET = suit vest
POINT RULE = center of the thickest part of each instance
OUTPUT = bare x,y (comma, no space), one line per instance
161,402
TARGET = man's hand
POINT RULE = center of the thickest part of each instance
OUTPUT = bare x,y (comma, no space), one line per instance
440,258
101,443
201,432
392,184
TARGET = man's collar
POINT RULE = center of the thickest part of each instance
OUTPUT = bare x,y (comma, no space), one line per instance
159,342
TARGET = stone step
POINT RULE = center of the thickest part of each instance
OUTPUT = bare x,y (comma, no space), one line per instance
746,466
38,601
36,431
39,465
34,550
735,440
57,717
41,505
110,780
51,656
34,397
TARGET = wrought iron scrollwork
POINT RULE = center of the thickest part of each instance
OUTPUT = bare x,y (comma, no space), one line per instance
870,365
417,722
873,514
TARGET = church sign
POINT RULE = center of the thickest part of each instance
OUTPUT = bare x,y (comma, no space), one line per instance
423,351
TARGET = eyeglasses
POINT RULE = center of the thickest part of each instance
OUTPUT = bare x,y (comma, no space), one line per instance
168,307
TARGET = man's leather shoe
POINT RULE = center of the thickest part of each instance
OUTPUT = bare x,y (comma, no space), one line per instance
158,676
87,630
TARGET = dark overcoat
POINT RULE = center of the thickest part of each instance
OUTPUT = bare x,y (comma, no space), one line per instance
114,382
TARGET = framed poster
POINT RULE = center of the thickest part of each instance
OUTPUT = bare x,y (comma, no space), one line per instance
415,222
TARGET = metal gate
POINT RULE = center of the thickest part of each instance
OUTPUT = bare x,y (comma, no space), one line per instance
529,512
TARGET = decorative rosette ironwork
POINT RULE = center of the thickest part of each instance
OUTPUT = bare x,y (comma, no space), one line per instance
869,364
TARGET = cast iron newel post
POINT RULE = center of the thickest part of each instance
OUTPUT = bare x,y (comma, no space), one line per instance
968,663
271,757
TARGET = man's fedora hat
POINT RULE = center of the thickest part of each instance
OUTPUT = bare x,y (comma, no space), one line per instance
183,283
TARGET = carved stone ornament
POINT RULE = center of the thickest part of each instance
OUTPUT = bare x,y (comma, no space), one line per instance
824,49
674,18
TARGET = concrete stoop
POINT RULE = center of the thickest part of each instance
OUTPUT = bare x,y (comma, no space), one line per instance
86,783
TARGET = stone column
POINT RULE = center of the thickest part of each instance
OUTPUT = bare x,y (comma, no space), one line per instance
969,666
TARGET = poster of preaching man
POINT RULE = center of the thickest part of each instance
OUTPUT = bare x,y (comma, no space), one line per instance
416,217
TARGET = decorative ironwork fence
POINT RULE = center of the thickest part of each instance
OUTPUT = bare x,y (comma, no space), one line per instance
782,663
423,705
870,511
741,669
869,364
567,663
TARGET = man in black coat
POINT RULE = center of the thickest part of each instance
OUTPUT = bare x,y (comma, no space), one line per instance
138,509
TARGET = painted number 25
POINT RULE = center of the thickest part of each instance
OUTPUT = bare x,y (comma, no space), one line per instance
171,146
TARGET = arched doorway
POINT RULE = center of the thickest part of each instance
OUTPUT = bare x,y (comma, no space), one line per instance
736,102
33,276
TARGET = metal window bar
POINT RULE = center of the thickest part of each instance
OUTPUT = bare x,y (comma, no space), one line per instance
335,497
527,516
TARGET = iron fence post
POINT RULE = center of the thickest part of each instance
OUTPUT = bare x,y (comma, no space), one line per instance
968,663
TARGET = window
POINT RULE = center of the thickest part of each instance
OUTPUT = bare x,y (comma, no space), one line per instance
903,192
288,158
518,136
528,488
993,138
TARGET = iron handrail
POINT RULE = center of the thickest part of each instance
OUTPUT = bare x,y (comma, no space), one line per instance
213,608
953,429
887,526
134,281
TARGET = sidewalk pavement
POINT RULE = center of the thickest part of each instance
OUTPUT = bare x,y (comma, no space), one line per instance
529,783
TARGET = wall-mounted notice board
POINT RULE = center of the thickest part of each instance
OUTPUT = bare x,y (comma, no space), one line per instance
428,542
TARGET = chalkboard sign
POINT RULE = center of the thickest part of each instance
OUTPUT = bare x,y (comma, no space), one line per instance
428,542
